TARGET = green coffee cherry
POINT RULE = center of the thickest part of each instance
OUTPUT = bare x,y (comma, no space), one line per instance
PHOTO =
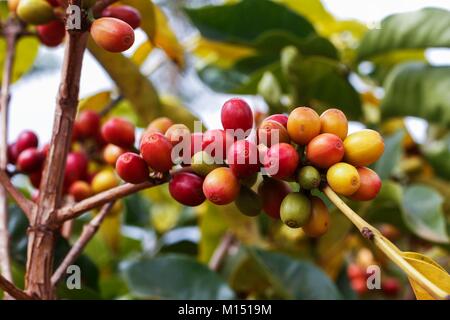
295,210
202,163
250,181
35,11
308,177
248,202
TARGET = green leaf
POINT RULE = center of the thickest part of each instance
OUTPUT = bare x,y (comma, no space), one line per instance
426,28
423,213
438,154
137,210
17,226
174,277
393,148
420,90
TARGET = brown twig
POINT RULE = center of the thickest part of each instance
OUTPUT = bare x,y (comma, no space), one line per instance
26,205
221,251
8,287
89,230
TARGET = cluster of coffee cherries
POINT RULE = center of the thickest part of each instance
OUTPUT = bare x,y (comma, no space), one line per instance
300,151
113,30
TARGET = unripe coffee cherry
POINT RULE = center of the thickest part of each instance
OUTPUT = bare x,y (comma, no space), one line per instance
272,192
187,189
76,167
202,163
295,210
119,131
242,157
303,125
319,220
35,11
177,132
369,187
112,34
308,178
280,118
26,139
236,114
250,181
281,161
363,148
125,13
30,160
217,142
157,151
248,202
132,168
334,121
80,190
221,186
160,125
88,124
111,153
51,34
325,150
272,132
104,180
13,154
343,178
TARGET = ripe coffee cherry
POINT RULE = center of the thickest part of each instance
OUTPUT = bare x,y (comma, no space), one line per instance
295,210
202,163
80,190
125,13
280,118
281,161
319,221
176,133
186,188
35,178
160,125
35,11
242,158
119,132
112,34
221,186
390,286
27,139
104,180
325,150
76,167
54,3
363,148
111,153
13,154
237,114
334,121
272,192
359,285
355,271
132,168
157,151
88,124
272,130
217,142
30,160
308,178
303,125
369,187
343,178
51,34
248,202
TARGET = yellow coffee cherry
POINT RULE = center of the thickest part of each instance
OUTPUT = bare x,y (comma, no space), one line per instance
104,180
363,148
343,178
319,220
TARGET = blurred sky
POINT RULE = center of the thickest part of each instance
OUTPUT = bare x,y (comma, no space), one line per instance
33,98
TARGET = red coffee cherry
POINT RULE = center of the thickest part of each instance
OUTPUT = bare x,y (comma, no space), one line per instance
359,285
221,186
272,130
280,118
281,161
125,13
390,286
177,132
119,132
334,121
187,189
370,185
80,190
112,34
157,151
217,139
325,150
303,125
242,158
237,114
355,271
76,167
54,3
27,139
272,192
132,168
30,160
51,34
12,153
35,178
88,124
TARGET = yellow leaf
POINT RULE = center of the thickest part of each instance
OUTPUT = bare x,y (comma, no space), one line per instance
26,52
142,53
95,102
110,231
418,256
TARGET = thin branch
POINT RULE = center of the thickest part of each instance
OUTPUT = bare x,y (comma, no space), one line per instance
26,205
388,248
221,251
12,290
89,230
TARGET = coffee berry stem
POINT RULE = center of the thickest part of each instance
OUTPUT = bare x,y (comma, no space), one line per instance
388,248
